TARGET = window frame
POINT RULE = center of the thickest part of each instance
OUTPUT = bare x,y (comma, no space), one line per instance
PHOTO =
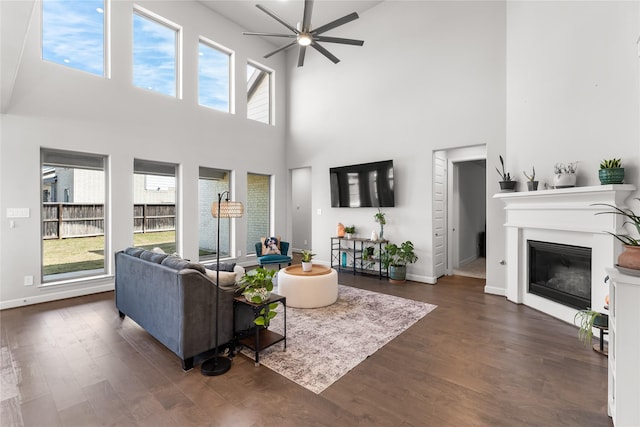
270,208
271,79
160,20
231,73
106,40
81,275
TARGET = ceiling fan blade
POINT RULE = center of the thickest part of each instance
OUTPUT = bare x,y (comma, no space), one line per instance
281,48
301,53
339,40
333,24
306,15
325,52
290,36
277,18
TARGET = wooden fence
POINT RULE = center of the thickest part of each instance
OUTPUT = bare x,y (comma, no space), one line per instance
65,220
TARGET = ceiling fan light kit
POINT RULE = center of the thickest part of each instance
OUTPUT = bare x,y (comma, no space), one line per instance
305,36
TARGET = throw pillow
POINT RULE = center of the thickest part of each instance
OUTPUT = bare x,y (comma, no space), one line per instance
178,263
270,245
227,278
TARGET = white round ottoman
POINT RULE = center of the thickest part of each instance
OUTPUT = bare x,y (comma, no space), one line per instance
313,289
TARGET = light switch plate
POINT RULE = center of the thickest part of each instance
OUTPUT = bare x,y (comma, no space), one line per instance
18,213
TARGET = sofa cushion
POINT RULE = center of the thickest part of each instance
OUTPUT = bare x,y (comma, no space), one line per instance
152,257
227,278
135,252
178,263
224,266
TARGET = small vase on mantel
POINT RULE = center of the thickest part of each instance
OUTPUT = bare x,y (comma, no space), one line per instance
630,257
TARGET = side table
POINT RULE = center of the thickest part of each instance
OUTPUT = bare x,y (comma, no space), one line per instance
258,338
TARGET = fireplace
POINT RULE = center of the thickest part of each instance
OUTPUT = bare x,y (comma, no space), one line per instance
567,217
561,273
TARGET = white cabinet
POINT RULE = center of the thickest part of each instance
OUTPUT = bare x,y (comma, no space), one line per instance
624,349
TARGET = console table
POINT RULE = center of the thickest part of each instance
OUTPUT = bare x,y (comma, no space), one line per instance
258,338
360,255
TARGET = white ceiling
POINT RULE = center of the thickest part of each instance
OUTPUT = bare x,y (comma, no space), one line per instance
248,16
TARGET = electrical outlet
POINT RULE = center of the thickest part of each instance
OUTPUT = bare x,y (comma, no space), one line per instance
239,253
28,280
305,243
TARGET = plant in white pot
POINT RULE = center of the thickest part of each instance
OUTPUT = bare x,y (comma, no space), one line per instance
395,258
256,285
307,256
564,175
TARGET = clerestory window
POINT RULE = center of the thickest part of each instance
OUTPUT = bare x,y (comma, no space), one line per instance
156,53
73,34
214,76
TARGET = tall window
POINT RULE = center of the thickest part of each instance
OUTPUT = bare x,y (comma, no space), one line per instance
258,209
154,205
214,71
73,215
211,183
73,34
155,53
259,94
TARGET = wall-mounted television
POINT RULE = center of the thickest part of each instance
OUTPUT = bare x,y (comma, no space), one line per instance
363,185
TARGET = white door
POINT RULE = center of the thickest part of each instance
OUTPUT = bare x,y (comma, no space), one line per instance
439,213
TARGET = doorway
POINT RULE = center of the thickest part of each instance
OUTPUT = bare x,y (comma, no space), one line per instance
459,211
300,209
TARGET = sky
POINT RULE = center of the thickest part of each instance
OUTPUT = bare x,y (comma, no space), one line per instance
73,35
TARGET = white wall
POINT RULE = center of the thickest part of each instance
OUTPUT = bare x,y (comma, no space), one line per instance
573,89
58,107
429,76
301,218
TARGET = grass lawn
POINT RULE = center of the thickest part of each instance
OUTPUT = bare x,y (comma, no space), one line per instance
87,253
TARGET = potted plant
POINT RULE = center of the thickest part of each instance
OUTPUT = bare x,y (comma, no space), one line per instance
611,172
395,258
587,319
565,175
532,184
380,219
256,285
630,258
307,256
506,183
350,231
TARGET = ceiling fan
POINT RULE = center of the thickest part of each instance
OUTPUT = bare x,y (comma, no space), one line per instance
305,35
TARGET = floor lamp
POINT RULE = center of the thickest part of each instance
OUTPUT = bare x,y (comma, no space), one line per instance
218,365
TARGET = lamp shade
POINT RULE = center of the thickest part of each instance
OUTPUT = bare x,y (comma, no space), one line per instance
227,209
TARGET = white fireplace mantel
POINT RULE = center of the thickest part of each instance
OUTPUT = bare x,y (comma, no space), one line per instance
565,216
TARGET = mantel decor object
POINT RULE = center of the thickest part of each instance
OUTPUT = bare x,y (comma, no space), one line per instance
565,175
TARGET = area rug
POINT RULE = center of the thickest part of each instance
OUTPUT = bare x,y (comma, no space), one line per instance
323,344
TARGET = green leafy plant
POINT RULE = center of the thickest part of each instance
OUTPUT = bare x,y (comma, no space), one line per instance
631,219
379,217
266,315
586,319
504,175
531,177
611,164
307,256
351,229
257,284
394,255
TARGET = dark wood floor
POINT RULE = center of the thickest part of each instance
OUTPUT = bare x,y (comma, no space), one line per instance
477,360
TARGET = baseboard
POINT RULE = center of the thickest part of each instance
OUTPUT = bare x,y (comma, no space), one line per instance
495,291
55,296
424,279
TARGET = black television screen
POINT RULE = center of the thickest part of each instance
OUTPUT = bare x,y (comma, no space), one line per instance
361,186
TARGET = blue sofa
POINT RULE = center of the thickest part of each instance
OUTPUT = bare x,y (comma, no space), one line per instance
174,301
